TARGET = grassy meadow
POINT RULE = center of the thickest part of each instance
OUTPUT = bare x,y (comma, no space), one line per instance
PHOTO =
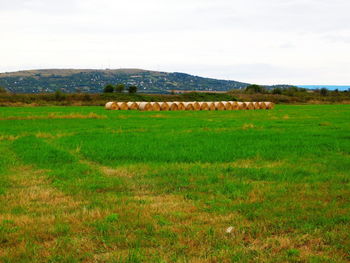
82,184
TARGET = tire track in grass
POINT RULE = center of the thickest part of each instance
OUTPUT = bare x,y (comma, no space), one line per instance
35,218
54,204
41,219
179,216
134,219
179,226
6,160
149,220
111,228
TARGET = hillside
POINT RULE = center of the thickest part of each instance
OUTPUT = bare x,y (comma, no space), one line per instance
89,80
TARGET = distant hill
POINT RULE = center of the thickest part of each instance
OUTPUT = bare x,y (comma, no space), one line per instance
90,80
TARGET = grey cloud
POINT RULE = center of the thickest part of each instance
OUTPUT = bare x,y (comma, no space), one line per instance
39,6
257,38
343,37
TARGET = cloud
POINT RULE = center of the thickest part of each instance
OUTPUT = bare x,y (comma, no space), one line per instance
340,36
289,41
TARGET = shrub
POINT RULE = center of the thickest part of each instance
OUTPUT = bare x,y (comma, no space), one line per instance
59,95
120,87
132,89
324,92
109,88
255,89
3,90
87,97
277,91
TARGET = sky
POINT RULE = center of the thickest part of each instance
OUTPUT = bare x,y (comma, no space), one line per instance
256,41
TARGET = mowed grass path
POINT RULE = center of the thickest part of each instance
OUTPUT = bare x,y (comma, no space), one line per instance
81,184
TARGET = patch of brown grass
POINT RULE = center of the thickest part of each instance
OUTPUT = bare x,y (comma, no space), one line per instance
91,115
326,123
43,207
8,137
46,135
119,131
158,116
247,126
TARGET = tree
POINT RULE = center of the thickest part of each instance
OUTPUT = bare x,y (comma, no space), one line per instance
291,91
132,89
109,88
120,87
255,88
59,95
3,90
324,92
277,91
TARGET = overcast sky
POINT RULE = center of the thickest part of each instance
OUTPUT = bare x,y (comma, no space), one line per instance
255,41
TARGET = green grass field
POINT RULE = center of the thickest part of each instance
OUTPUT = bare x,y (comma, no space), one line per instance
81,184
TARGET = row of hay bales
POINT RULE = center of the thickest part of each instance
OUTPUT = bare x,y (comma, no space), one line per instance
176,105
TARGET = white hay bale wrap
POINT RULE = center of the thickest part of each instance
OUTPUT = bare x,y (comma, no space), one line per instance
164,106
256,105
193,105
262,105
122,105
145,106
132,106
188,106
227,104
111,106
180,105
196,105
249,105
269,105
173,106
234,105
241,105
211,105
203,106
155,106
219,105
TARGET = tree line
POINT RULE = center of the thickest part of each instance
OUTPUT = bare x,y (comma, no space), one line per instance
290,91
119,88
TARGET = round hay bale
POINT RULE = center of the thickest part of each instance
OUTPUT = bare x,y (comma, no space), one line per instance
180,105
173,106
122,105
155,106
188,106
219,105
164,106
203,106
249,105
227,104
241,106
256,105
211,105
111,106
234,105
196,105
262,105
269,105
145,106
132,105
